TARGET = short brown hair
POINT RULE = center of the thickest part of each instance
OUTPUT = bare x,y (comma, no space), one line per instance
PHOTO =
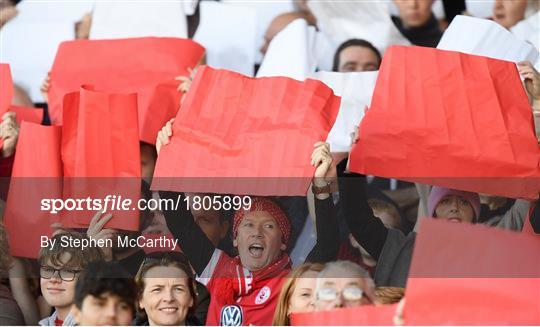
165,259
281,318
80,258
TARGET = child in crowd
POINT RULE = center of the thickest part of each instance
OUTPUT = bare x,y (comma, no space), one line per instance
105,295
60,267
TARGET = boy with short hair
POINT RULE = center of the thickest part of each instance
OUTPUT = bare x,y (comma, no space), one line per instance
60,267
105,296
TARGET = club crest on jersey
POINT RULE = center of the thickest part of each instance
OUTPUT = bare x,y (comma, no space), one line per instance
263,296
231,315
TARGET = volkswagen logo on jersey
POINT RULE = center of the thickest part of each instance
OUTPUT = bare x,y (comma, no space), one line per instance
231,315
263,295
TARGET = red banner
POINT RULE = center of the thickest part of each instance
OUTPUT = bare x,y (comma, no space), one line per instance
450,119
100,152
147,66
240,135
6,88
100,135
366,315
31,115
37,172
464,274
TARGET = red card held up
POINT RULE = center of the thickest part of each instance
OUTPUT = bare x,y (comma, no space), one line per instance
31,115
37,176
147,66
366,315
6,88
100,152
450,119
463,274
240,135
100,134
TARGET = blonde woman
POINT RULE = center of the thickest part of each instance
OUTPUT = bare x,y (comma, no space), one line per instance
297,293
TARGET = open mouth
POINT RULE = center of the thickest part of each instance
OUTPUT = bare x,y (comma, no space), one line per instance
454,220
55,290
168,309
256,250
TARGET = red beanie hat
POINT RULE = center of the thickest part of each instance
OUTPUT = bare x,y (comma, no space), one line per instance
263,204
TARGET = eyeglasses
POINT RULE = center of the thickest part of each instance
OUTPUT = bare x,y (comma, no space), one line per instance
66,275
350,293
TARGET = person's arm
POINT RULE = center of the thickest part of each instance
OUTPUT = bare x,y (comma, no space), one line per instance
535,218
514,218
327,246
423,195
20,290
192,240
367,229
194,243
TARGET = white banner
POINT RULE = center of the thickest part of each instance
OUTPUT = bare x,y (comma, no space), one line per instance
228,34
484,37
291,52
356,90
368,20
480,8
529,30
114,20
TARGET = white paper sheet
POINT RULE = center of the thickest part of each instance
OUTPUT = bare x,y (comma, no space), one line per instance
368,20
291,52
356,90
480,8
30,47
190,6
324,51
228,34
529,30
265,12
112,20
51,11
484,37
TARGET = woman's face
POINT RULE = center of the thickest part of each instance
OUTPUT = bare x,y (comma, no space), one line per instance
303,295
166,297
509,12
455,208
